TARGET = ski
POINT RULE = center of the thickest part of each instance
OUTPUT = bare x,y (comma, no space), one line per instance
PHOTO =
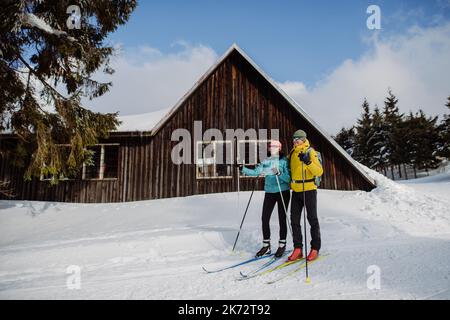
265,265
237,264
303,265
283,265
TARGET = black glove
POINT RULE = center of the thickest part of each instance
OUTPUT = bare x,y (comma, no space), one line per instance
305,158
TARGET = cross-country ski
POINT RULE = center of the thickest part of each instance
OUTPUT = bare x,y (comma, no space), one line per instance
291,272
260,268
238,264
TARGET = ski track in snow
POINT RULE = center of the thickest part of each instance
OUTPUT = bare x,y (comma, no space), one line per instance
155,249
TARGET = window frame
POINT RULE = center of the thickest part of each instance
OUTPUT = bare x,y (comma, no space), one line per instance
102,164
83,170
214,142
241,175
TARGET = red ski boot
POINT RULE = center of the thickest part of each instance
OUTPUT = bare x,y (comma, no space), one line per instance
297,254
313,255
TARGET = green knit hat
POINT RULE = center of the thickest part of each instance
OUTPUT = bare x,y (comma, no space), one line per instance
300,134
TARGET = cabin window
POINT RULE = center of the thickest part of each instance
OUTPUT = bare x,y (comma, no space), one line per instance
92,170
64,156
62,177
212,159
248,152
111,162
104,162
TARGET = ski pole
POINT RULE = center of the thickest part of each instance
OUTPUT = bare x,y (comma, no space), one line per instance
239,185
284,205
304,220
243,218
238,173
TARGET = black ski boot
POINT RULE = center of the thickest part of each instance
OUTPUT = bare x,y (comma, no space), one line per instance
264,250
281,249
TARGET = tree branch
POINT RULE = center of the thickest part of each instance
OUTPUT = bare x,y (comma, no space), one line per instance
40,78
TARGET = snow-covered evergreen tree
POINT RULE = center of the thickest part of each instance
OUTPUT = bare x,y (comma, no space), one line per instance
421,140
377,141
444,134
363,151
346,139
392,122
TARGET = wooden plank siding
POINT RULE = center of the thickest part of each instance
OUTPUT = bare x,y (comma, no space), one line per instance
233,96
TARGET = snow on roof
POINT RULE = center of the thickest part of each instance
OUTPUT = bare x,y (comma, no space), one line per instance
133,122
142,121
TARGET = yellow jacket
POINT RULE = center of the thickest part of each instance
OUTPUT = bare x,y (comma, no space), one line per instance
314,169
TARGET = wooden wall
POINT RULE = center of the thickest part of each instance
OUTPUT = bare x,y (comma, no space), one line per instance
233,96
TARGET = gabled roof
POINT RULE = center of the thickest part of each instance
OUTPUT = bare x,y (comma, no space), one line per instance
291,101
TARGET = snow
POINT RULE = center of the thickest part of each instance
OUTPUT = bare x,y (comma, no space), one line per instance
141,122
155,249
136,122
32,20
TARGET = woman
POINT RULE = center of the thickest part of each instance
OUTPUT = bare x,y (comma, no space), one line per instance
275,169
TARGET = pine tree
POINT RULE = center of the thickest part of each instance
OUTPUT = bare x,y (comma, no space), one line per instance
392,122
411,141
46,67
422,139
363,151
377,141
444,134
346,139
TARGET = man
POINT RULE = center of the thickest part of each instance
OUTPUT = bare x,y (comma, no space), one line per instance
304,189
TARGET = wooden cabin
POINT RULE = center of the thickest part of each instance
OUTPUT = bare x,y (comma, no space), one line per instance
136,165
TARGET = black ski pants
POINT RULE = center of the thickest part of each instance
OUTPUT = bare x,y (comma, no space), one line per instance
296,216
269,203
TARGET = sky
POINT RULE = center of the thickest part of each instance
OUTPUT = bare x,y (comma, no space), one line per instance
321,53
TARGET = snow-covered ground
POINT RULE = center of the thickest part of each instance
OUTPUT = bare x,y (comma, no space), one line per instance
155,249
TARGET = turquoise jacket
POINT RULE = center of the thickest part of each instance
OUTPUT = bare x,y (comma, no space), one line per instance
270,181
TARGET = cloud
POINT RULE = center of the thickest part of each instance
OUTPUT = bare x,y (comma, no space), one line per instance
147,79
415,65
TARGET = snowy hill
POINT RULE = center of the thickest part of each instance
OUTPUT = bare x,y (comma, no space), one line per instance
155,249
